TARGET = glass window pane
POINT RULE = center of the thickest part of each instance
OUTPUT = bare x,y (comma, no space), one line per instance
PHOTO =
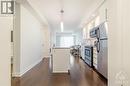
4,7
65,41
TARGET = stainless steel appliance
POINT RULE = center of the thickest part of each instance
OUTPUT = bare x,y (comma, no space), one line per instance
89,55
85,42
99,33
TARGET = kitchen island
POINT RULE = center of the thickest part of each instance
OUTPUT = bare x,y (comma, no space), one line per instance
60,59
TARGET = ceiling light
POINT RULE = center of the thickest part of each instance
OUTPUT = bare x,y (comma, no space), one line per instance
61,22
62,26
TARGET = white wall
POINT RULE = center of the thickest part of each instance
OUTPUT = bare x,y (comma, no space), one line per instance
31,40
46,42
126,39
102,12
5,50
118,22
114,42
16,58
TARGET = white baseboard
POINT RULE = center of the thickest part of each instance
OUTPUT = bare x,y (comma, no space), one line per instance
30,67
16,75
27,69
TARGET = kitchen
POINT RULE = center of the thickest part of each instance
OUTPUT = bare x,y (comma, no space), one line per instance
57,41
93,48
84,42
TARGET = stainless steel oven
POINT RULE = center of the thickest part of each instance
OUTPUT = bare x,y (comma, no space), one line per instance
89,55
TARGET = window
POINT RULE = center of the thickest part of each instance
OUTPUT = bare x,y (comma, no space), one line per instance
65,40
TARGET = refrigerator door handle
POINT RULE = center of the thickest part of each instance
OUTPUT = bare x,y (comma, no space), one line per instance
97,44
98,34
98,38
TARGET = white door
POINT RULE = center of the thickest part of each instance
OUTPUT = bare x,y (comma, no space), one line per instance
5,51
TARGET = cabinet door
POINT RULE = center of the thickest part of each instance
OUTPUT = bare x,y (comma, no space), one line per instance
61,59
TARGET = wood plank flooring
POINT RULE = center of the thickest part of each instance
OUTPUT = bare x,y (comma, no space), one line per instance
80,75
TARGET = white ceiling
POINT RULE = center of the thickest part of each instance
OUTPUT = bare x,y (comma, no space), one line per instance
74,11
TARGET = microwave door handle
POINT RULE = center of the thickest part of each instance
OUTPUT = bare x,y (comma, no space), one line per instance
98,46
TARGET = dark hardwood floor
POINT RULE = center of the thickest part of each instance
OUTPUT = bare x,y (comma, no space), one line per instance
80,75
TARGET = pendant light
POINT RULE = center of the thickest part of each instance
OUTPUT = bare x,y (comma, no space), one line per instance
61,22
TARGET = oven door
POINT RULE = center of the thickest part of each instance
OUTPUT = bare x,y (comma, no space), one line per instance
88,56
88,53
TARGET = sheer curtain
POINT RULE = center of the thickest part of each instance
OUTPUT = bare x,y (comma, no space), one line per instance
65,41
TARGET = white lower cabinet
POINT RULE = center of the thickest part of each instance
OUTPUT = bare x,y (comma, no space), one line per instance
61,60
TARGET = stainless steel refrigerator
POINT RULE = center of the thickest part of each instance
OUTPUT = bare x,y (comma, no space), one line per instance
100,33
